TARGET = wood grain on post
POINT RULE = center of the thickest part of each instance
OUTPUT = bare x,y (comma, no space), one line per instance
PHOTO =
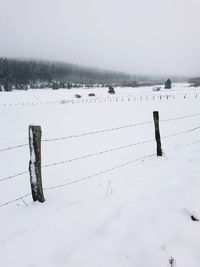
35,134
157,132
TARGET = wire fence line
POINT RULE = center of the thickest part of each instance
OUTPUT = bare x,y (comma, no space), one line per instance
31,103
118,128
95,175
113,168
182,132
14,200
186,145
118,148
13,176
182,117
98,131
102,152
82,134
81,179
97,154
79,158
100,99
101,131
101,172
13,147
143,96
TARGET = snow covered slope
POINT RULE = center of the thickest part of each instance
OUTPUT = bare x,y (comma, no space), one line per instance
109,202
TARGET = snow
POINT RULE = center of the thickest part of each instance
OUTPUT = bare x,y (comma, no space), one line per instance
135,215
32,159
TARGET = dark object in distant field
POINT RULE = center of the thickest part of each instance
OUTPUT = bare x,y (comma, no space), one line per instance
78,96
156,88
195,82
195,219
168,84
91,94
111,90
195,85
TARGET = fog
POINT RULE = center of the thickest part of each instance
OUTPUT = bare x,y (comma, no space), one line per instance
135,36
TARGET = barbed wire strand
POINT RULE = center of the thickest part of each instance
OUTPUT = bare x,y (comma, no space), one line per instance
14,200
80,135
118,128
97,154
13,147
99,173
82,179
13,176
100,131
102,152
182,117
79,158
180,133
94,175
97,132
117,148
183,146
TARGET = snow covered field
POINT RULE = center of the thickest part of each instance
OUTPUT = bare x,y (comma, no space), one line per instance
129,207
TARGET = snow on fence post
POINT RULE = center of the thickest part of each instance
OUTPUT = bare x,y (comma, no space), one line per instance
157,132
35,134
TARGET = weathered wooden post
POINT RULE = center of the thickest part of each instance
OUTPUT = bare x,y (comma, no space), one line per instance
35,134
157,132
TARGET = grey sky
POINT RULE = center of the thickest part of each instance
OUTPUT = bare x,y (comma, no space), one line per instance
137,36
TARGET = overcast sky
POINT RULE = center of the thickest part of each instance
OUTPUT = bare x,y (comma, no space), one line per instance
136,36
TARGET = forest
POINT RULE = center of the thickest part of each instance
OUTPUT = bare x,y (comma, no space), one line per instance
20,73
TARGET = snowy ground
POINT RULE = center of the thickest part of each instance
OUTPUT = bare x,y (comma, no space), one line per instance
136,213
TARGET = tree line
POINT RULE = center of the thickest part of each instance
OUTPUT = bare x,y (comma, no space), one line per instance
22,74
36,73
195,81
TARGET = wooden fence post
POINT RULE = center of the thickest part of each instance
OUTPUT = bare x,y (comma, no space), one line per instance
35,134
157,132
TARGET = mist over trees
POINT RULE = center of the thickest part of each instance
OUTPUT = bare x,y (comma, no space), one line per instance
27,72
23,74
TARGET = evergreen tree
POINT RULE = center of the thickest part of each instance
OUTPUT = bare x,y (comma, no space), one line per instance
168,84
7,86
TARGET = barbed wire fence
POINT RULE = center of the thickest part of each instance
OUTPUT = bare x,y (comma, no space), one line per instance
137,97
21,198
101,131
